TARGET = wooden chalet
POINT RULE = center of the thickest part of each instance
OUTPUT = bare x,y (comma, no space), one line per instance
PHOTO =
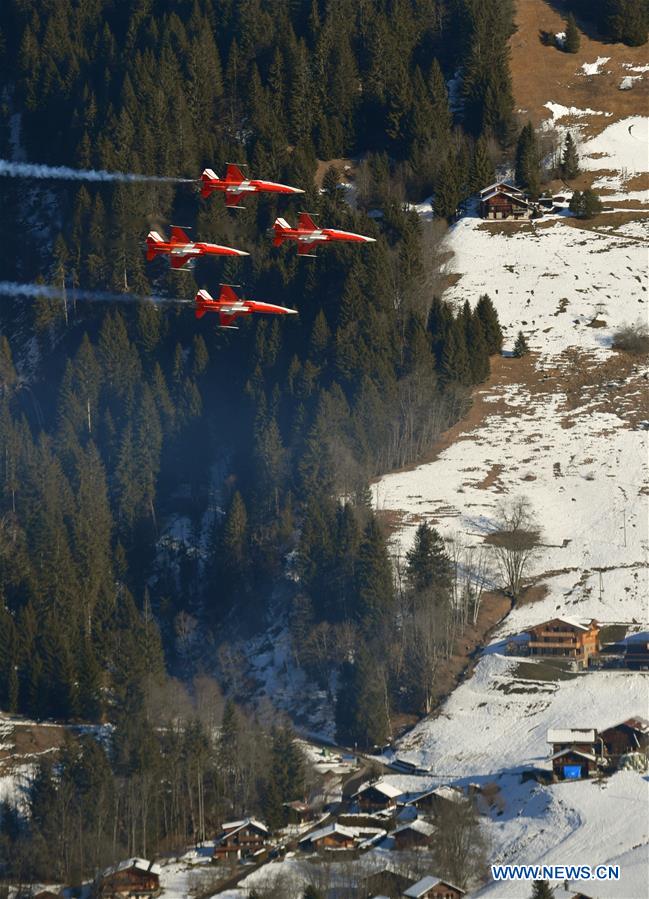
332,837
631,735
435,801
565,638
378,795
385,883
636,654
573,764
413,834
134,877
504,201
433,888
240,839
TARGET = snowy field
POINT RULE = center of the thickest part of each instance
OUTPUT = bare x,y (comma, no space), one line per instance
568,435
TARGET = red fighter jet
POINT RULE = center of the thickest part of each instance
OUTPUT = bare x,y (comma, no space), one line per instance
229,306
235,185
308,235
181,250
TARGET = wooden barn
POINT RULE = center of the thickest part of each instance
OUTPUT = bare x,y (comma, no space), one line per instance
504,201
413,834
565,638
378,795
433,888
631,735
240,839
332,837
134,877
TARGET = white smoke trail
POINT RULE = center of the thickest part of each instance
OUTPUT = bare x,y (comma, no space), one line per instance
35,170
50,292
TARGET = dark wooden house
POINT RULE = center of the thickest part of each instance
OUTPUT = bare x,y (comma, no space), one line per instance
134,877
565,638
378,795
413,834
384,883
504,201
433,888
573,764
436,801
628,736
333,836
240,839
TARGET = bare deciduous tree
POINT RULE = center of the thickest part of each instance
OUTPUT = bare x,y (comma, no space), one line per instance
514,542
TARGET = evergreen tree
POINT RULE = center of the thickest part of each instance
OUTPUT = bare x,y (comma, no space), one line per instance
572,39
570,160
528,161
488,316
520,346
375,586
628,21
482,172
428,563
541,890
585,205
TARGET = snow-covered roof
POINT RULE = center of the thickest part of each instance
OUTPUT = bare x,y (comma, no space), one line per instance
417,825
444,792
510,194
425,884
571,735
329,830
584,755
387,789
504,185
235,825
139,864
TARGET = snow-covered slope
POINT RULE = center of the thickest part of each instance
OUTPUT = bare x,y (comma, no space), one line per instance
564,429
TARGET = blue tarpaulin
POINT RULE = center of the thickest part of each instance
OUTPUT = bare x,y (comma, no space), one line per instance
572,772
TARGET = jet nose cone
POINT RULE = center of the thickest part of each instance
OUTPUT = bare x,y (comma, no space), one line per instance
298,190
291,311
242,253
370,239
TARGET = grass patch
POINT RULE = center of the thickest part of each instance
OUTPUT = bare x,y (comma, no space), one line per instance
544,671
613,633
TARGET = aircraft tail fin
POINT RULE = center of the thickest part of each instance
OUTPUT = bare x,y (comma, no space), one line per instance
208,177
280,227
152,239
202,299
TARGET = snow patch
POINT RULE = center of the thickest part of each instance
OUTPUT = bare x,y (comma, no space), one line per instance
593,68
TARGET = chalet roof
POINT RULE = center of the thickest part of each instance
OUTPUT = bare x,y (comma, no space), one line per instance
443,792
386,789
640,725
232,826
418,825
571,751
510,196
330,830
571,622
143,865
503,185
427,883
571,735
